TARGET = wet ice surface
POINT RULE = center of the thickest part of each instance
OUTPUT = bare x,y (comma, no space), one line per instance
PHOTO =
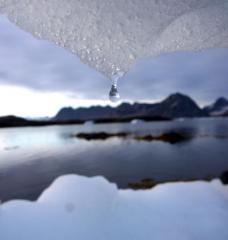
110,35
77,207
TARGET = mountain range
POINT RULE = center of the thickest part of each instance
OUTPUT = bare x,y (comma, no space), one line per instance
174,106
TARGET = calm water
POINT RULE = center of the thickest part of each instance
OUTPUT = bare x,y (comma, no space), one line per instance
31,158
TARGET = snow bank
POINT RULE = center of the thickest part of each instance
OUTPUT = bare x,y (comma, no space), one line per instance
110,35
76,207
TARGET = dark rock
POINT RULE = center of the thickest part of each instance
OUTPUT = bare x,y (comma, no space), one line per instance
143,184
224,177
148,183
100,135
171,137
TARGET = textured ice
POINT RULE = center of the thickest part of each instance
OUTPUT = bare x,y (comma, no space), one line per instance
109,35
77,207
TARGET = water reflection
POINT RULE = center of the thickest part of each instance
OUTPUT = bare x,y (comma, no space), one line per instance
31,158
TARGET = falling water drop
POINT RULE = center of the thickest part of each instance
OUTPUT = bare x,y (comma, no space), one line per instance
114,95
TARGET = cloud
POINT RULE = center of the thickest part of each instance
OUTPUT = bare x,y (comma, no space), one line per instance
41,66
25,102
203,75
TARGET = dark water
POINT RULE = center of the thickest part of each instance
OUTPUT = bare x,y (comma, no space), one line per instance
31,158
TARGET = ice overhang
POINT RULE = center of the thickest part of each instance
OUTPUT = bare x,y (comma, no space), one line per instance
110,35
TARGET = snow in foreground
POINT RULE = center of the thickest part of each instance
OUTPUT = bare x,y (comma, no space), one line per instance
76,207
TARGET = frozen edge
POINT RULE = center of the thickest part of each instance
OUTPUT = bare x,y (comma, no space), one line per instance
111,41
76,207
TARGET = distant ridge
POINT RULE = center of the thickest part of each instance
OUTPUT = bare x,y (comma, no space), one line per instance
14,121
175,106
218,108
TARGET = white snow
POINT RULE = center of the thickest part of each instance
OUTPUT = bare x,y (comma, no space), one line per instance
109,35
89,123
136,121
76,207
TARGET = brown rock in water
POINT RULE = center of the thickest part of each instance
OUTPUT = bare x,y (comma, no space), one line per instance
100,135
144,184
171,137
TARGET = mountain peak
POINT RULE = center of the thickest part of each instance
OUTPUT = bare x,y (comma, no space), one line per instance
177,98
180,105
218,107
221,101
178,95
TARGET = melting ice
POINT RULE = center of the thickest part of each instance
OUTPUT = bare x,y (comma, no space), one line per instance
112,34
76,207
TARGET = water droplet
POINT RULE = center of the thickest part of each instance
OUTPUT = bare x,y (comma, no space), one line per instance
114,95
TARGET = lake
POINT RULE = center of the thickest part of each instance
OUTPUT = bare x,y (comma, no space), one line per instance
32,157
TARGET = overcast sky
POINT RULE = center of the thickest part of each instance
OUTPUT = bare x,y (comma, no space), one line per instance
37,78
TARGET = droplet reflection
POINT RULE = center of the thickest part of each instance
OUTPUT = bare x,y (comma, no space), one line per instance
114,95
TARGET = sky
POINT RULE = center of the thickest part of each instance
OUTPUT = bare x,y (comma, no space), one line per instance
37,78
